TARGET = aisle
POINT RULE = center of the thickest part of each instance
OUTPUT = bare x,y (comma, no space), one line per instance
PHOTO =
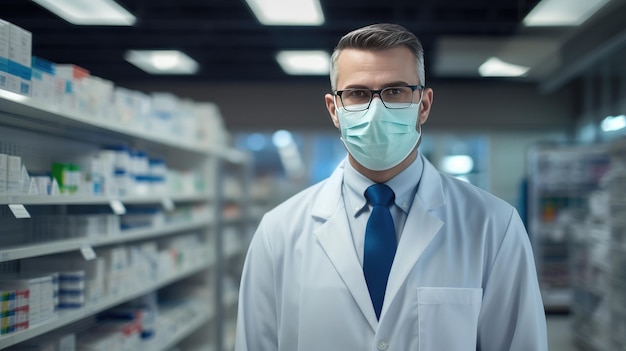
559,333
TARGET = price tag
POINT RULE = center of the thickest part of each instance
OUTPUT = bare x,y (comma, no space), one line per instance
168,204
88,252
19,211
118,207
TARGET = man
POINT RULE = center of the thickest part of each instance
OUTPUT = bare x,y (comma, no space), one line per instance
440,265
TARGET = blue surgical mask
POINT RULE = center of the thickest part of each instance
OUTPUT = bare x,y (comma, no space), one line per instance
379,138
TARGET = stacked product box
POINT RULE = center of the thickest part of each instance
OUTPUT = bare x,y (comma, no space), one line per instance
14,307
80,281
4,164
39,298
15,58
46,87
75,94
4,54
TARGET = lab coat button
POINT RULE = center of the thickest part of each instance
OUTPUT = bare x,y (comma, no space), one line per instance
382,345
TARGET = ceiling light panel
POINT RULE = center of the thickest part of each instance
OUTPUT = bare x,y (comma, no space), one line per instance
90,12
162,61
562,12
494,67
313,62
287,12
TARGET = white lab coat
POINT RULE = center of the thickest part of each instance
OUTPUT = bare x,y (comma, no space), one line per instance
463,277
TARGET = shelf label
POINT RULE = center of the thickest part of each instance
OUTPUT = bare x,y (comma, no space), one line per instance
168,204
118,207
88,252
19,211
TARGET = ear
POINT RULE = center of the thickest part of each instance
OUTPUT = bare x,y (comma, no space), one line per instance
427,101
330,106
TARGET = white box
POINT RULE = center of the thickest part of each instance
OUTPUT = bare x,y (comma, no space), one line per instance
14,174
20,51
4,54
40,300
75,94
42,83
3,173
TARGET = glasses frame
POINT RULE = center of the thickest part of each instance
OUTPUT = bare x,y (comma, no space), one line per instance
373,92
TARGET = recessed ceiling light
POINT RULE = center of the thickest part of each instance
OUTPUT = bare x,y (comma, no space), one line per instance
90,12
162,61
312,62
288,12
494,67
562,12
613,123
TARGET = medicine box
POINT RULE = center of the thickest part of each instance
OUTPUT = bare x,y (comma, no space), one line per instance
14,174
3,173
4,54
75,95
43,81
20,50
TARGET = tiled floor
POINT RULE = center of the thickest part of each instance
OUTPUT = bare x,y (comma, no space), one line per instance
560,333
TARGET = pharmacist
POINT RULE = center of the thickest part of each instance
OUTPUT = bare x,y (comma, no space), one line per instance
387,253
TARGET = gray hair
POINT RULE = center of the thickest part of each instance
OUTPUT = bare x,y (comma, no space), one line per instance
379,37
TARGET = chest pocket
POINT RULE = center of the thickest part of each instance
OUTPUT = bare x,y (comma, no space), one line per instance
448,318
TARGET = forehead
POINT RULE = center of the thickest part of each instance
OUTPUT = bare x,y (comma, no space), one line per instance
376,68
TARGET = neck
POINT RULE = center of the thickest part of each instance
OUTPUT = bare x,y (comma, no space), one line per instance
384,175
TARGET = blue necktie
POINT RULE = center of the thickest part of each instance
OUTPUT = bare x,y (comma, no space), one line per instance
380,243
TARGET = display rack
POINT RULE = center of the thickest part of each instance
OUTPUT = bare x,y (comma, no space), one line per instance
560,181
40,134
599,321
235,222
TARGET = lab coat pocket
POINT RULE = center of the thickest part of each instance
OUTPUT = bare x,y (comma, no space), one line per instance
448,318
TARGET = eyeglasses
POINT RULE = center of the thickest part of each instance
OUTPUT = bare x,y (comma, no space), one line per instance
355,100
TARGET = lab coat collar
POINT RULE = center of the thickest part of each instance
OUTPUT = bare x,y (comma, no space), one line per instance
420,229
335,238
336,241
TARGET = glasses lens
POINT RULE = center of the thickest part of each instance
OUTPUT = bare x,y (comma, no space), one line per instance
356,99
397,97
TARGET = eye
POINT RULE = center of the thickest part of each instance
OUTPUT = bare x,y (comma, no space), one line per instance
356,93
393,91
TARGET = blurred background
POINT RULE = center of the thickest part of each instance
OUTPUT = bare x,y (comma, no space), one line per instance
529,104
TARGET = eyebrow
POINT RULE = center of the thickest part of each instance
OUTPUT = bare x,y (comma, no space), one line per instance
387,85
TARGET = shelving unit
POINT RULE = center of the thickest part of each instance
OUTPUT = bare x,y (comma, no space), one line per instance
599,321
235,222
41,134
560,182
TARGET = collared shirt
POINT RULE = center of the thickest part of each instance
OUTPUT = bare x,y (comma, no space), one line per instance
404,186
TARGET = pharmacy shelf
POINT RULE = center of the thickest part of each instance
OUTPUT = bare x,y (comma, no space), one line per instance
233,219
28,111
54,247
231,299
231,251
71,316
100,200
190,326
